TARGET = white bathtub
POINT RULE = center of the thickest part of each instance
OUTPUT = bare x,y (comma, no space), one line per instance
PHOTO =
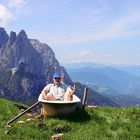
52,108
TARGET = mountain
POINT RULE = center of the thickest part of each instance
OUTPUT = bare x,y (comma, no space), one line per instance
93,97
50,63
125,100
18,48
20,86
117,84
84,64
118,80
26,65
121,81
133,69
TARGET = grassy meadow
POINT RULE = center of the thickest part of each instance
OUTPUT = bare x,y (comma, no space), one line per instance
100,123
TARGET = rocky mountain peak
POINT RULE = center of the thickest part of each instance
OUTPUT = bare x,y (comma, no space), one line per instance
3,37
12,38
22,35
19,48
39,57
41,47
50,62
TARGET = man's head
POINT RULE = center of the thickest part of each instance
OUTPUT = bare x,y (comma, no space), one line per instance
56,78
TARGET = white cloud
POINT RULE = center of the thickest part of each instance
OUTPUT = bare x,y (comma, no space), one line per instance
12,10
5,16
85,53
19,7
18,4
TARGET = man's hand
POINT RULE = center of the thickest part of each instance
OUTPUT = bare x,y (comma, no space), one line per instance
72,89
44,94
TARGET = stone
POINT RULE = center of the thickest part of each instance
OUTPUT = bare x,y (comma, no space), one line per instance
57,136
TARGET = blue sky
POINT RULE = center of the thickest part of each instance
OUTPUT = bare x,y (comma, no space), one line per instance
98,31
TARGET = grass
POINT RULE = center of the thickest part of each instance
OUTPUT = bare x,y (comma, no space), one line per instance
101,123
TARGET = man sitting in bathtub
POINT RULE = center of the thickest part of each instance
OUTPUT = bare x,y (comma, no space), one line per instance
58,90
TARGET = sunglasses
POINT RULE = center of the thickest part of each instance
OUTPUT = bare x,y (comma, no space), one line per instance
57,78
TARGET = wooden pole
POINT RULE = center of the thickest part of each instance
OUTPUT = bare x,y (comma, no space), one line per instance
85,97
22,113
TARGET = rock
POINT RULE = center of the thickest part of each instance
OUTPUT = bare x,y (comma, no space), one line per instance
30,115
57,136
21,110
8,126
59,128
7,132
91,106
21,122
30,119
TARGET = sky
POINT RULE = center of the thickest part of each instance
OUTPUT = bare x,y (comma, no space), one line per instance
98,31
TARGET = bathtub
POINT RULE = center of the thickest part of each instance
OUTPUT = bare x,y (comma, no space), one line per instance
53,108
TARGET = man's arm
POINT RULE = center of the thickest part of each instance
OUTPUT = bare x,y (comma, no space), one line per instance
44,93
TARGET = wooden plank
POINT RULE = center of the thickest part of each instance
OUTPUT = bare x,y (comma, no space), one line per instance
85,97
22,113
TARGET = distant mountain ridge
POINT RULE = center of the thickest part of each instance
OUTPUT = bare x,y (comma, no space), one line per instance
112,81
107,76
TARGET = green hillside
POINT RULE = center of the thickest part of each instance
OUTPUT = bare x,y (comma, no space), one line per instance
101,123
